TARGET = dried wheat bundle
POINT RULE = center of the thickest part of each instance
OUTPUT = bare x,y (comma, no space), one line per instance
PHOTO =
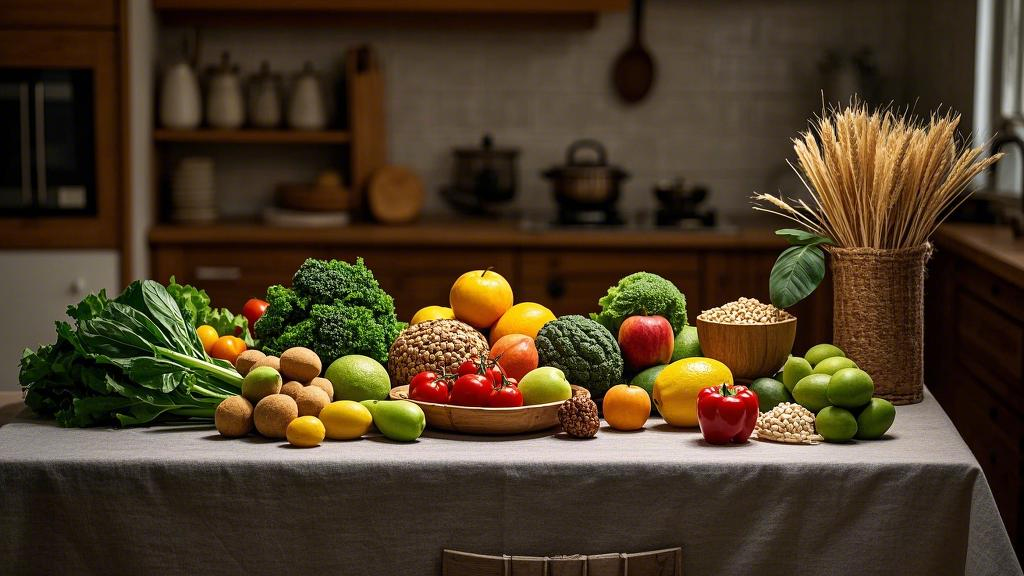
878,179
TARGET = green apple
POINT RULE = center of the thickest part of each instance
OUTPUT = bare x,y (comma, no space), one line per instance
543,385
399,419
796,368
834,364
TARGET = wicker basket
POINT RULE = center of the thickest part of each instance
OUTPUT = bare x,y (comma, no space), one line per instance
878,316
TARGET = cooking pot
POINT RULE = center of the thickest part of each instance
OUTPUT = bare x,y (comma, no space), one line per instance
586,184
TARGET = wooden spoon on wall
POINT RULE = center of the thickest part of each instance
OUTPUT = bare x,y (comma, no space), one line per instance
634,70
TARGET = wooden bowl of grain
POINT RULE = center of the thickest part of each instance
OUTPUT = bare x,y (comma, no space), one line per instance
750,350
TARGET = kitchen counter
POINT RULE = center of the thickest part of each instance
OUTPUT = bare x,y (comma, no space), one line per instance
992,247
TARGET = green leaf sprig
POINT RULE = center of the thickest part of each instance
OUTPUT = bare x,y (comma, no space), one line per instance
799,269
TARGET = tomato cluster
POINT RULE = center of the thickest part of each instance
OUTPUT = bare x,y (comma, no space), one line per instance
478,382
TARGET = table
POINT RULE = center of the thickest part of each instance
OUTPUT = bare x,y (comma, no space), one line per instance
180,499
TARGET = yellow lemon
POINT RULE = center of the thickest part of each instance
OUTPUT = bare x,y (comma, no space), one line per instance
346,420
432,313
480,297
677,386
305,432
523,318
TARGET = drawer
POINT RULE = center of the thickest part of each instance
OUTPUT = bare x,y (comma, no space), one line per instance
59,14
1005,297
989,341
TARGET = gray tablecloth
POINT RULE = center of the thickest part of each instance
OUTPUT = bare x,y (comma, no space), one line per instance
183,500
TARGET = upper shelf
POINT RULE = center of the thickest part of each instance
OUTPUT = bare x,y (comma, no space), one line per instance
245,136
386,6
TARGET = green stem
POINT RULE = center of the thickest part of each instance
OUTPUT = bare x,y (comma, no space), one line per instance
194,412
223,374
210,393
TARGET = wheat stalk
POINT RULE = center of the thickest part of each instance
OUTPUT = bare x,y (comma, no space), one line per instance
878,179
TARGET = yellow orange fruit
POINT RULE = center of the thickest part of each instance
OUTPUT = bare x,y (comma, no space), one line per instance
346,420
305,432
677,386
480,297
207,335
523,318
626,407
227,348
428,313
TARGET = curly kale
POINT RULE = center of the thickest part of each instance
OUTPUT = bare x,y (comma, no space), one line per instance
584,350
642,293
333,308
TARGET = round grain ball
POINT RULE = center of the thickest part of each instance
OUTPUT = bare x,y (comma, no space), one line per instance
260,382
233,417
311,401
271,361
274,413
300,364
247,359
323,384
292,389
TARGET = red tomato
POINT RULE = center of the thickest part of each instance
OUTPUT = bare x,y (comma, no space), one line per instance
505,397
253,310
495,374
511,382
470,366
471,390
433,391
425,377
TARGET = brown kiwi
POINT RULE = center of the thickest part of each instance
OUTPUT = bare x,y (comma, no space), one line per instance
292,388
311,401
272,361
247,359
323,384
234,417
273,414
300,364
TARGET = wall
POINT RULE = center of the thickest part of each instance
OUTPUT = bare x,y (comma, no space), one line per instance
735,81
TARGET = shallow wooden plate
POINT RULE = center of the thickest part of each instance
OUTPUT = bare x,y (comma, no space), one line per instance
470,420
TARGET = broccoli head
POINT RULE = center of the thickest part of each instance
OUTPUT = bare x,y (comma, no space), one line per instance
645,294
333,308
584,350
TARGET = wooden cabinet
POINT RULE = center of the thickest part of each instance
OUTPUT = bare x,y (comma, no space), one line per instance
59,14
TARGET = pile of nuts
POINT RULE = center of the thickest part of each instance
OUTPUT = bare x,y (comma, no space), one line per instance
745,311
787,422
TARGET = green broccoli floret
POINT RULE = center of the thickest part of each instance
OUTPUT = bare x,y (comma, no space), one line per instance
333,308
584,350
642,293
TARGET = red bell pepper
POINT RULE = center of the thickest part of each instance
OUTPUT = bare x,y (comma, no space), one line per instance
727,413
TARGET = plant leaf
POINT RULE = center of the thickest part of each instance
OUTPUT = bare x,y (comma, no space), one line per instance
797,272
802,237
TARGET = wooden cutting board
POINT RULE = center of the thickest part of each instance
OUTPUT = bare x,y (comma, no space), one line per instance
395,195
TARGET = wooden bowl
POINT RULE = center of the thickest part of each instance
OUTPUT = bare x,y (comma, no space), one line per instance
470,420
749,350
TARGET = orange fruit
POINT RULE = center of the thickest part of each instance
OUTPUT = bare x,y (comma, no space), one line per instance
480,297
677,386
626,407
207,335
428,313
227,348
523,318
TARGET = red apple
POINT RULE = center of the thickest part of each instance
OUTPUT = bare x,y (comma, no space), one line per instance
646,341
516,354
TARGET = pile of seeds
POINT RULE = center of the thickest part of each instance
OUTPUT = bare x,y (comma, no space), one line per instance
745,311
787,422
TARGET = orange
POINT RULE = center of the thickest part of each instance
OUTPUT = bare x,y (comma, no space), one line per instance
523,318
480,297
677,386
626,407
207,335
428,313
227,348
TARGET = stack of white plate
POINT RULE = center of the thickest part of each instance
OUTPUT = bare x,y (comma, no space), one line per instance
192,191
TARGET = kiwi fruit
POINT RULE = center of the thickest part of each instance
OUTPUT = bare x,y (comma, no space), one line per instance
273,414
300,364
271,361
247,359
311,401
260,382
323,384
233,417
292,388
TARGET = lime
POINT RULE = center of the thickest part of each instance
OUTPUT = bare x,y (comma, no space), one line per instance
834,364
358,378
646,380
687,344
875,419
850,388
811,392
835,424
818,353
770,393
794,370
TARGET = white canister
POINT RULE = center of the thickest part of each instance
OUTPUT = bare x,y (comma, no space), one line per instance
180,98
306,107
225,107
264,101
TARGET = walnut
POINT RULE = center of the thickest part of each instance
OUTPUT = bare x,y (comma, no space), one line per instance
578,416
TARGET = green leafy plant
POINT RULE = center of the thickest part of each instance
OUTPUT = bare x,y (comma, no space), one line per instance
799,269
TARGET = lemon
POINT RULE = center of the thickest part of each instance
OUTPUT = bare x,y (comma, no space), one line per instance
677,386
432,313
523,318
305,432
346,420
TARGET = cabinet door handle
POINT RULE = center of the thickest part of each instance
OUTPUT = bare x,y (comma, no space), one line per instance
218,273
556,287
26,146
41,143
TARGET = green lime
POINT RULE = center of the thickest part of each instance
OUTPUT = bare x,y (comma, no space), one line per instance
646,380
770,393
796,368
687,345
834,364
850,388
875,419
818,353
835,424
358,378
811,392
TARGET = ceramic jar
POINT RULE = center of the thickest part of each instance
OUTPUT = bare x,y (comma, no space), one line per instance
224,103
180,98
306,110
